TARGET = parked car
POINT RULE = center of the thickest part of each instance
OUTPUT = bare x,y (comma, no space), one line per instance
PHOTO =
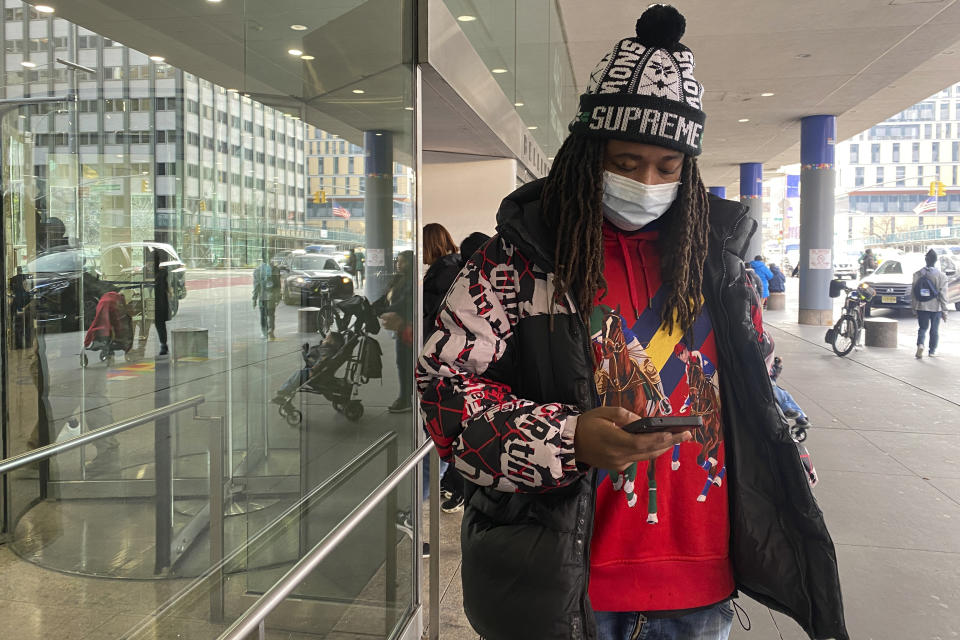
56,280
894,278
125,262
846,265
311,276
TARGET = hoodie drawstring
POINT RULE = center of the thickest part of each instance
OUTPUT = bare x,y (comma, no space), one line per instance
631,278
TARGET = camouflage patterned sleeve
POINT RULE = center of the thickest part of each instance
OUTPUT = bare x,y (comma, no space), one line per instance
495,438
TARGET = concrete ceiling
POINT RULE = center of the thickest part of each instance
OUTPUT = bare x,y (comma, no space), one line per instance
861,60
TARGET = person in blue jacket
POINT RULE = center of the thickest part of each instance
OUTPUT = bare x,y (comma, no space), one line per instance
761,269
778,283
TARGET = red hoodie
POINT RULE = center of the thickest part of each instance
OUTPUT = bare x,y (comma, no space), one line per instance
661,545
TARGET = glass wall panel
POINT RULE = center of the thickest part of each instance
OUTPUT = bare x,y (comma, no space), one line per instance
212,205
522,44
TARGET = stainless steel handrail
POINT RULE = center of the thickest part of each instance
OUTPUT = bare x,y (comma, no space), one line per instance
215,571
258,612
15,462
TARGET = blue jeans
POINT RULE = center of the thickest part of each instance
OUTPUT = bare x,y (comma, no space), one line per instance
709,624
785,400
929,319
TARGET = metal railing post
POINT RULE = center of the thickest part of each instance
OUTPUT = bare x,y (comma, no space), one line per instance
216,518
390,595
434,545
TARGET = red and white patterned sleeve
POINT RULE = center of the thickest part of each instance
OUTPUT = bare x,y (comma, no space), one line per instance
494,437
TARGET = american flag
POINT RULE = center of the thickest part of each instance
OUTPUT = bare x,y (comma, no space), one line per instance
927,206
339,211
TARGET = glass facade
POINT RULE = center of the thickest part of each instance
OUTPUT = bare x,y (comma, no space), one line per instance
218,221
522,43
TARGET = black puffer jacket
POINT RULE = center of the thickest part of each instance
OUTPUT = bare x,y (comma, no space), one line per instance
494,368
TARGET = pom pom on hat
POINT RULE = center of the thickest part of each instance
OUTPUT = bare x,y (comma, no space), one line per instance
644,90
661,26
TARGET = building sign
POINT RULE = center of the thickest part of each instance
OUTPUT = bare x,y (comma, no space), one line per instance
820,259
375,257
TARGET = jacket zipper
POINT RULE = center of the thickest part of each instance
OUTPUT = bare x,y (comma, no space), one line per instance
585,527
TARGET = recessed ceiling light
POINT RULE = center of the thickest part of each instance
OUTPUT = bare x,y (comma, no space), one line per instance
213,1
157,58
359,91
767,94
498,70
518,104
532,127
744,120
298,27
231,90
28,64
307,56
409,108
378,134
43,8
295,52
466,18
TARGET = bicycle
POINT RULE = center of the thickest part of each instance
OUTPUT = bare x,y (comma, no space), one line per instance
845,334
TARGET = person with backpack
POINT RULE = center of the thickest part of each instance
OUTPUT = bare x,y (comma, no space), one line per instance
266,293
929,301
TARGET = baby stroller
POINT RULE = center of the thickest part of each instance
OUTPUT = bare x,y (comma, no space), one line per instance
111,329
358,355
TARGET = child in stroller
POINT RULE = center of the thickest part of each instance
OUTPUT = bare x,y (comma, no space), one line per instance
111,329
316,369
351,345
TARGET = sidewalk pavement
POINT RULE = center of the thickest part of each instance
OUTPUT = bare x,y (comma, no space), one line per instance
886,443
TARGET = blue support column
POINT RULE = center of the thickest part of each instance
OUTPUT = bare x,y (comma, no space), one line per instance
751,196
720,192
378,211
817,180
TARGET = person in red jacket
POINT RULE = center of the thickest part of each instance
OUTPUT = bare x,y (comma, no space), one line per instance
615,291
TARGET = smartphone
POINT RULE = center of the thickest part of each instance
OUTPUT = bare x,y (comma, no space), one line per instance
673,424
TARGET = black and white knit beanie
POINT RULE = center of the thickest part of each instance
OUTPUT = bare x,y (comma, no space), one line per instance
644,90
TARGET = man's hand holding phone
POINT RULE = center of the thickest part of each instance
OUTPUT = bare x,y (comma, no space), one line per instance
601,441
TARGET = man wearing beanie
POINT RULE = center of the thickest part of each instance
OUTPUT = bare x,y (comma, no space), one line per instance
928,298
615,290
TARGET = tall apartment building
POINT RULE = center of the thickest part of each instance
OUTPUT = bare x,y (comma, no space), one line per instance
885,172
158,152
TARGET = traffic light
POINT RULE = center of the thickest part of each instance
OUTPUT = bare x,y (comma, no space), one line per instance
938,189
203,205
323,196
316,197
144,185
198,229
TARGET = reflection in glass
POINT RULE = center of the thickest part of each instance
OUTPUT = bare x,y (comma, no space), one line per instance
183,221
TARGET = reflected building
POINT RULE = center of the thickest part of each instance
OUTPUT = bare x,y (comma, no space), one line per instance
162,153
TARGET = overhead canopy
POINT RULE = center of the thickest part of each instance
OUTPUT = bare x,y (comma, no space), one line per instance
861,60
359,77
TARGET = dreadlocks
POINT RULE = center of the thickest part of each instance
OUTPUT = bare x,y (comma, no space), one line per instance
571,202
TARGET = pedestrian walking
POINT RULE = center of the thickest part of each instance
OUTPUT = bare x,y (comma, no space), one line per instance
929,301
614,291
266,295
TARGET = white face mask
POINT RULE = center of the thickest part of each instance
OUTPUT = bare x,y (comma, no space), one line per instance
631,205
